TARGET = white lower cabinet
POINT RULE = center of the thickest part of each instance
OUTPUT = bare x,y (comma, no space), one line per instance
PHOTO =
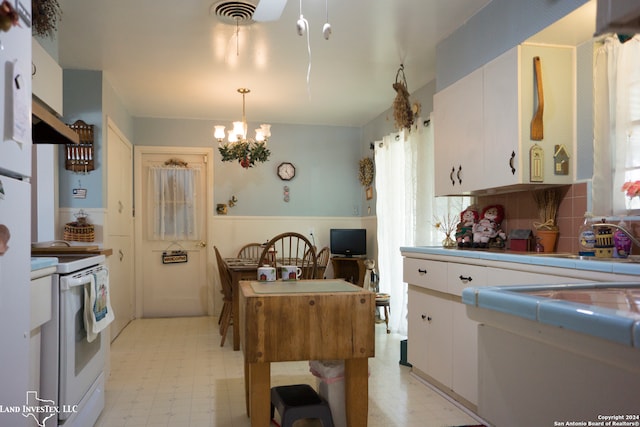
442,340
430,336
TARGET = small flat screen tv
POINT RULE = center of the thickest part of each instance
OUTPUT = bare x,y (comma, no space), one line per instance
348,242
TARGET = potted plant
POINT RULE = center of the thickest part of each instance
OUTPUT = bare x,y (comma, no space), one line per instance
547,201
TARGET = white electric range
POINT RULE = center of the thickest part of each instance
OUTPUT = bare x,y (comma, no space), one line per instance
72,367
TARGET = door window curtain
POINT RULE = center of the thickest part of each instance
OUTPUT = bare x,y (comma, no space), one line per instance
173,200
616,143
406,209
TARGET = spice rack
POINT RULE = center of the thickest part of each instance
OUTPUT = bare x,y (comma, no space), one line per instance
79,157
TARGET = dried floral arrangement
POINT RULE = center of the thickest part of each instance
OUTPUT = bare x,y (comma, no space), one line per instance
446,223
402,112
45,15
365,174
547,202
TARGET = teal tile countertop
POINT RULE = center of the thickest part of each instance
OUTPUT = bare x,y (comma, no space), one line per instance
38,263
608,310
630,266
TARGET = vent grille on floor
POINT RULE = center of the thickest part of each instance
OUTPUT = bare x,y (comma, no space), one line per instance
235,12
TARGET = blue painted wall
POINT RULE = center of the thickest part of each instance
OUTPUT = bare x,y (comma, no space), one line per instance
326,160
499,26
83,100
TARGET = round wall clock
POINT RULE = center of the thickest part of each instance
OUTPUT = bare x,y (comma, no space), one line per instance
286,171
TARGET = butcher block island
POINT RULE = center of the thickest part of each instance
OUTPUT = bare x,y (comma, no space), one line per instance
306,320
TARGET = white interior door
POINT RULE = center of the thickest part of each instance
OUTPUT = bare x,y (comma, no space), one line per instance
166,288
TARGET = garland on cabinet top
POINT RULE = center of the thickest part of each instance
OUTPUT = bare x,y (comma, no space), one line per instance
45,15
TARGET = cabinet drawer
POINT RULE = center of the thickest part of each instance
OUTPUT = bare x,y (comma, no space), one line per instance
426,274
462,276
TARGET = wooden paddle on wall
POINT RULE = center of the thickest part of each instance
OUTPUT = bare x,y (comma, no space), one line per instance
536,122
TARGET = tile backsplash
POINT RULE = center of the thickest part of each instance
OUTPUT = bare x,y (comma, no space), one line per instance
521,212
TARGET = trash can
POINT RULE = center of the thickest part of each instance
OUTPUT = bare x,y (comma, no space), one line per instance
330,379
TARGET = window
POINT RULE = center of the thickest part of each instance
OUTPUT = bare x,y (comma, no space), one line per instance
616,124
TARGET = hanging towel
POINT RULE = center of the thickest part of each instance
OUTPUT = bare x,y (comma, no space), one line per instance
97,304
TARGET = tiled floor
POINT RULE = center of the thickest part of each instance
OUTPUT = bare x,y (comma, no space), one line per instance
173,372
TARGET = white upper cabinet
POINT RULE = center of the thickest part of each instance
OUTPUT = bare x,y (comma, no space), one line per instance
458,135
46,78
482,123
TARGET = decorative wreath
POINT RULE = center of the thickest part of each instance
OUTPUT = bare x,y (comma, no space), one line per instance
366,171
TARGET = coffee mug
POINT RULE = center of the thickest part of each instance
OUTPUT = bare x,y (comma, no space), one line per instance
290,272
266,274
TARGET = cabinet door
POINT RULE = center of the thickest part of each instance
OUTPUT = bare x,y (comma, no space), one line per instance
121,282
430,335
119,184
458,135
465,354
46,78
503,161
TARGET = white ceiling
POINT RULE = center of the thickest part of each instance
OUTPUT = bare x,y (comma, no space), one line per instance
174,59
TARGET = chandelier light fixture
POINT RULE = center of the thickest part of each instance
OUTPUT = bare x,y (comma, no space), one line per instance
247,151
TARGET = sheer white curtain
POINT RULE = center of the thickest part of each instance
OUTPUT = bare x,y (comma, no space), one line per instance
406,209
616,124
173,200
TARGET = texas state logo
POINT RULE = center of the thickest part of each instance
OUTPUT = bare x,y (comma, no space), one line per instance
38,409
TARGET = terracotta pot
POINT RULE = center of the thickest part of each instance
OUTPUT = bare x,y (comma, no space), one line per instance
548,239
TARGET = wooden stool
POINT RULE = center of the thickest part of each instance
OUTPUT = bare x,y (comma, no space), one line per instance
384,300
295,402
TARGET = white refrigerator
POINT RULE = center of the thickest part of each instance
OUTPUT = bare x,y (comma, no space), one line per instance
15,218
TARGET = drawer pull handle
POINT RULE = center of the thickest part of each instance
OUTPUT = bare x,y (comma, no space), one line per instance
465,279
421,271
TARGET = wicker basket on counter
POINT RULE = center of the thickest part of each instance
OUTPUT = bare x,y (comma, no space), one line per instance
80,230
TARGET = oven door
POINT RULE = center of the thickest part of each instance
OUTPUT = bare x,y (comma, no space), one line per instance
81,361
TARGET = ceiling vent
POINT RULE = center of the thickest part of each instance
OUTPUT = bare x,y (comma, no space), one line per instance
235,12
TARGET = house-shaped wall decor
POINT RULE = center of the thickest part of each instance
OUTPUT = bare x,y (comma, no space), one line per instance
560,160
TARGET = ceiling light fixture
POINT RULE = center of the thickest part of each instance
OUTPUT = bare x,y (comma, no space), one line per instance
247,151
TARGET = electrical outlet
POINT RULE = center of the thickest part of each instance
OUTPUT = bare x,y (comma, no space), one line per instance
312,232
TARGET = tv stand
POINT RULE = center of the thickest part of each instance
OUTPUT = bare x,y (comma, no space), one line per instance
352,269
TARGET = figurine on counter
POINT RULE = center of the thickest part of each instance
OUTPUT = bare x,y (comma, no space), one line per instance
487,232
464,229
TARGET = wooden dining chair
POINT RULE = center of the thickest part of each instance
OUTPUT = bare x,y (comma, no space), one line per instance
290,249
250,251
227,297
323,260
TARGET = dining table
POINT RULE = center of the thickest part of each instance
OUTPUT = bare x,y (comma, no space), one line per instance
241,269
294,320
